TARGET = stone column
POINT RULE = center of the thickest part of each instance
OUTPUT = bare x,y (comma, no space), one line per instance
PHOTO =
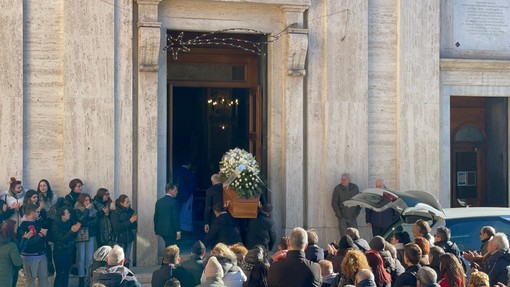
147,135
11,85
295,46
418,96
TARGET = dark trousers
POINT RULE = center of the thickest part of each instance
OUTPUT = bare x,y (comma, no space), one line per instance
377,230
63,262
169,240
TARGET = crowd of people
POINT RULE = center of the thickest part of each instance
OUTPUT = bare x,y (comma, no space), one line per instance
44,234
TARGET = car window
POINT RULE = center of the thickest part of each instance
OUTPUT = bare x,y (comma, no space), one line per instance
466,231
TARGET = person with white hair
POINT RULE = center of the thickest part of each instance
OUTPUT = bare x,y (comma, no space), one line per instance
497,259
427,277
115,274
346,215
295,270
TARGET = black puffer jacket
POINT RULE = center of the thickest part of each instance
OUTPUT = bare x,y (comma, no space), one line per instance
122,227
105,235
87,218
63,237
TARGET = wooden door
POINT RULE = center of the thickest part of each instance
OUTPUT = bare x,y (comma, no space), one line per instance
468,174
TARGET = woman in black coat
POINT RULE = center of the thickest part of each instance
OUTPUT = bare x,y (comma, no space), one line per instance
64,234
124,221
102,202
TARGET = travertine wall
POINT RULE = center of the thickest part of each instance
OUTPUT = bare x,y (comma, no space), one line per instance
418,100
83,88
11,89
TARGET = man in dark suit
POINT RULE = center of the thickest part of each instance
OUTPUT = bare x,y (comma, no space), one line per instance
295,270
224,229
171,269
261,230
213,195
166,216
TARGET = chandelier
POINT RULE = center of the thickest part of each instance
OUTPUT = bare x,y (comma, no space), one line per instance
223,107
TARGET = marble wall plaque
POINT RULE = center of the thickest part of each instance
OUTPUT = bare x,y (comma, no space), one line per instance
481,25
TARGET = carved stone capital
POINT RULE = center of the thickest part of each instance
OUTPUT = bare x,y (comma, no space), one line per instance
149,34
297,48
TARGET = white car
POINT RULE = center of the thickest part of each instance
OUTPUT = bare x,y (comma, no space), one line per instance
464,222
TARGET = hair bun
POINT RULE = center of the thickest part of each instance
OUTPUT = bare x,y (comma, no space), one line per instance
13,179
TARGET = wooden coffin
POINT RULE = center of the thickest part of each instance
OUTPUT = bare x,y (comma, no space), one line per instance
238,206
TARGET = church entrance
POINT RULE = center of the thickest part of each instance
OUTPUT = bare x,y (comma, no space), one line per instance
215,103
479,151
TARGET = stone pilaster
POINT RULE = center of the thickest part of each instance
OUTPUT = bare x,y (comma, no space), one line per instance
295,46
418,96
11,87
147,137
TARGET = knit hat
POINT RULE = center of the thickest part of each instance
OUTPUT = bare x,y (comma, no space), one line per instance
198,248
102,252
377,243
213,268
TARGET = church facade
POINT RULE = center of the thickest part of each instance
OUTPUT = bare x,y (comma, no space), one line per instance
414,92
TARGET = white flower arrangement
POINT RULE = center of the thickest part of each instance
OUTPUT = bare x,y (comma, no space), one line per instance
240,171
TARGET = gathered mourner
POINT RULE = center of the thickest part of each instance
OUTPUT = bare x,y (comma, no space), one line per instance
382,277
48,199
213,273
35,263
364,278
14,199
486,234
399,240
100,259
391,264
5,211
187,182
64,232
225,229
255,266
102,203
425,250
451,270
412,256
10,258
115,274
313,252
166,216
295,270
478,279
346,215
233,275
86,214
380,221
442,239
171,269
261,230
426,277
434,255
328,277
354,261
421,228
195,264
76,186
337,254
281,253
124,221
497,259
357,240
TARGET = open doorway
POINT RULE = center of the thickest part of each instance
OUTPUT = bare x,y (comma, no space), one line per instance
479,151
215,103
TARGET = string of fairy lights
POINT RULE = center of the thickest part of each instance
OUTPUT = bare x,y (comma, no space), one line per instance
177,44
